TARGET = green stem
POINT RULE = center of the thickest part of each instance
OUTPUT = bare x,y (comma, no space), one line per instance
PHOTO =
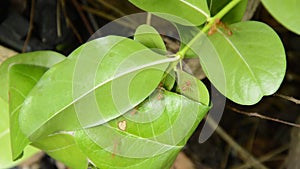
210,23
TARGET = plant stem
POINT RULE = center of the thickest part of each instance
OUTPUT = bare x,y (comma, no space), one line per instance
210,22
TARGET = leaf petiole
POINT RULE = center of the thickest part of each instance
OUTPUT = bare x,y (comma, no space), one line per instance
210,22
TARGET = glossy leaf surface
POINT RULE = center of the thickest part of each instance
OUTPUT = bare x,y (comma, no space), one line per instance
62,147
5,147
22,78
187,12
148,36
39,58
187,33
285,12
150,135
107,76
253,59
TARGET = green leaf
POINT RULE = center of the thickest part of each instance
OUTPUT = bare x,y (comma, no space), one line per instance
169,80
253,59
192,87
234,15
148,36
63,148
39,58
186,12
186,34
285,12
150,135
5,147
22,78
99,81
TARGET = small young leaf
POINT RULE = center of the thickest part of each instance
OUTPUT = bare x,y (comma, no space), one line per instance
148,36
285,12
39,58
184,12
5,147
253,59
107,76
22,78
63,148
192,87
153,136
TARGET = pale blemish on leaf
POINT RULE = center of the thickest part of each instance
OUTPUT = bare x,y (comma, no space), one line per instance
122,125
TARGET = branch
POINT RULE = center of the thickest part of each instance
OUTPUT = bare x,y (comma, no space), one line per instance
82,16
245,155
289,98
267,156
109,6
255,114
69,22
30,26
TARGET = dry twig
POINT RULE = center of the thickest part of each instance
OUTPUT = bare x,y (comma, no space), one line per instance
267,156
69,23
255,114
82,16
58,22
98,12
91,18
289,98
108,17
245,155
30,26
109,6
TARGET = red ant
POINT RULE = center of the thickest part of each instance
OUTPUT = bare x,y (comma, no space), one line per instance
159,96
217,23
134,111
187,85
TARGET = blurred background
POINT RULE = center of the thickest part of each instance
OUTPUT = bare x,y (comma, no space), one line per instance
63,25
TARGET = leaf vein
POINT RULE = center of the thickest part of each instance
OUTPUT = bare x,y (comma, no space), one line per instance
196,8
61,148
5,132
242,58
27,75
163,61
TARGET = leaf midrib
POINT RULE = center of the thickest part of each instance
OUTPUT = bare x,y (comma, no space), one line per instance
4,133
242,58
196,8
103,83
